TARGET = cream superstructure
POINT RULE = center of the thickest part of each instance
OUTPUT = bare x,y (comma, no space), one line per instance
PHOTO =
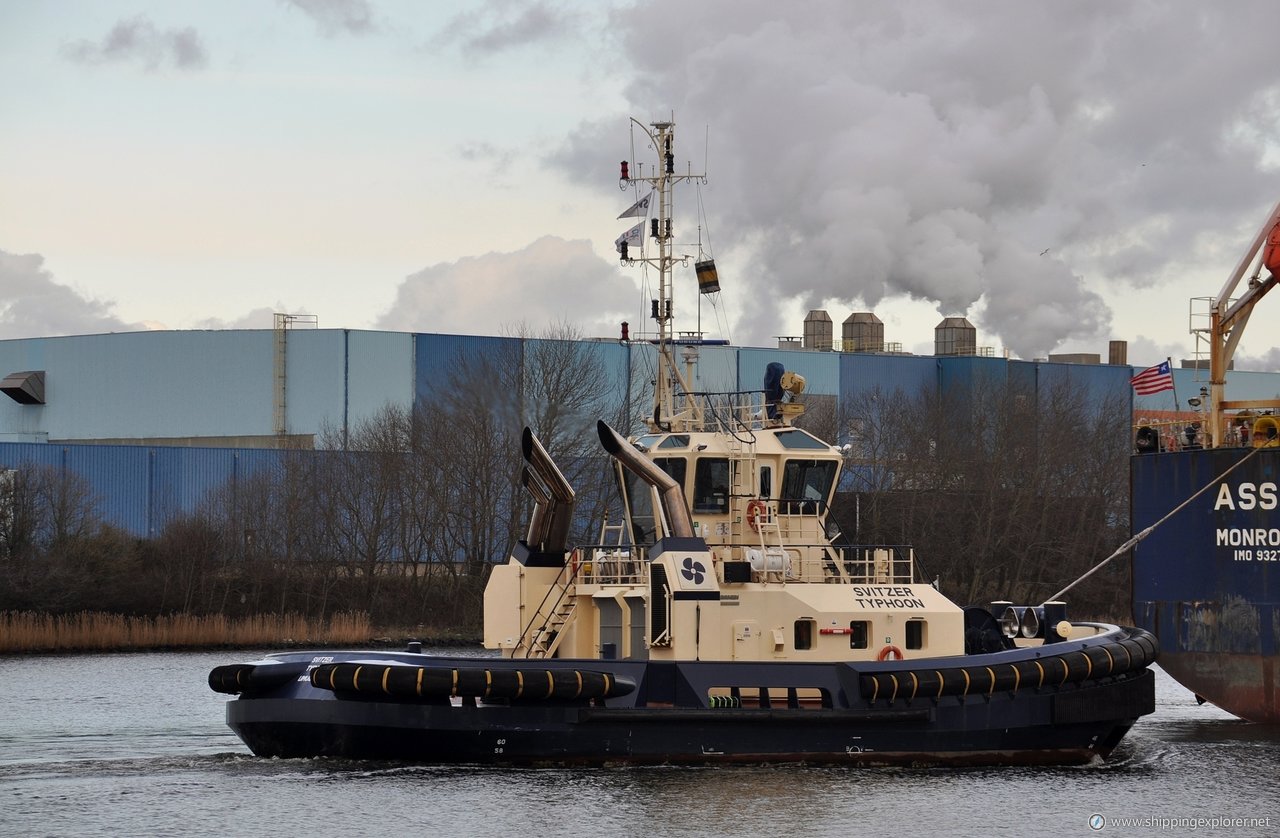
723,552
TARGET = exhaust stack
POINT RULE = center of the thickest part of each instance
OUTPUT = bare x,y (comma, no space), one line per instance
553,498
669,491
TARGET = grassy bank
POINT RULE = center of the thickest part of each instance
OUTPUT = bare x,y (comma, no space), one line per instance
28,631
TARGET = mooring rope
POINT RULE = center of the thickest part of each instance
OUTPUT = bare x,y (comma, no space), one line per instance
1123,548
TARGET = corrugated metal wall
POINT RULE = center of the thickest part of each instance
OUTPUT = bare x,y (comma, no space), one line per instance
441,360
717,371
145,384
1100,383
862,373
965,374
821,370
140,488
221,384
153,385
379,369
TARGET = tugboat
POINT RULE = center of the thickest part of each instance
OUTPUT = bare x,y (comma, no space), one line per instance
1206,579
719,621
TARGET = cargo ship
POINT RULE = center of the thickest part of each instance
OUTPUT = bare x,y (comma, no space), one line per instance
1206,578
718,620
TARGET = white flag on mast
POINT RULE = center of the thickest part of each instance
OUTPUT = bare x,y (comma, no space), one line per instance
639,209
632,237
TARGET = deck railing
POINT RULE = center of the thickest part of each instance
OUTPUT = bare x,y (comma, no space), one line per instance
882,564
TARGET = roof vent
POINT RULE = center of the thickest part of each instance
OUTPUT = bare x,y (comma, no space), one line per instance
24,387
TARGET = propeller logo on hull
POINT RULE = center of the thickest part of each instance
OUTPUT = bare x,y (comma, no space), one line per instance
693,571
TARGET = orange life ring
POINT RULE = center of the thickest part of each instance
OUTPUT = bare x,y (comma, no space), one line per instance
890,650
756,510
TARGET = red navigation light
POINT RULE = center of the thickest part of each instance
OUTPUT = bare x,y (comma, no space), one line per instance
625,172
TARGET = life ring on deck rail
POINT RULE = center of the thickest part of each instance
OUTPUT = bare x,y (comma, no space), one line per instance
756,511
890,650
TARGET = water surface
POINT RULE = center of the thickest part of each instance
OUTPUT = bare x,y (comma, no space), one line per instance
136,744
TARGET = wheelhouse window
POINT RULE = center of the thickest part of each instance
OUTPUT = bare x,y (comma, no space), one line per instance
640,507
676,467
649,442
806,485
766,481
711,485
798,439
640,497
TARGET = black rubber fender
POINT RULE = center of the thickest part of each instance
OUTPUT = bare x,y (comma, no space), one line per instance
375,680
253,678
1135,651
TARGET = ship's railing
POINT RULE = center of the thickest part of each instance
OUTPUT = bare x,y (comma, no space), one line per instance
885,564
1188,433
730,412
828,564
878,564
610,564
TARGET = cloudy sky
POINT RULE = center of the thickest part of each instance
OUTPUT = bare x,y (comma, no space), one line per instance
1062,174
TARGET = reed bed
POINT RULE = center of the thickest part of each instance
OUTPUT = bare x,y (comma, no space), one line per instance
28,631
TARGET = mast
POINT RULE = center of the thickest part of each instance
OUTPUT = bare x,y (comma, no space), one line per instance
662,178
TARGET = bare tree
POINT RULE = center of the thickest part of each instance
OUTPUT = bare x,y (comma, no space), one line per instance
1007,490
43,507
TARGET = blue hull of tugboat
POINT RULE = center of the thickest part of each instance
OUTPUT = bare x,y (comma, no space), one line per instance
1207,582
1070,704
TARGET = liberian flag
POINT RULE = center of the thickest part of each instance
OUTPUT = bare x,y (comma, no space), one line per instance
1153,379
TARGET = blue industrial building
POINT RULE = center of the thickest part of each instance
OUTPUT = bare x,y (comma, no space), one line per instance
155,420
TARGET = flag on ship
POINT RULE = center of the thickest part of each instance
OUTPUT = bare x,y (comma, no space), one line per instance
1153,379
639,209
631,238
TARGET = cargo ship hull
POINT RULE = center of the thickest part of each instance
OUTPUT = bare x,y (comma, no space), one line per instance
1206,582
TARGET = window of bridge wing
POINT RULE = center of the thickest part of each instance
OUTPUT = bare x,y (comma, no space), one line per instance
711,486
806,486
640,497
675,467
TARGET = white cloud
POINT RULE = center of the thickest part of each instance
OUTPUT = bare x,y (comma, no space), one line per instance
552,281
33,304
259,318
139,40
333,17
497,26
